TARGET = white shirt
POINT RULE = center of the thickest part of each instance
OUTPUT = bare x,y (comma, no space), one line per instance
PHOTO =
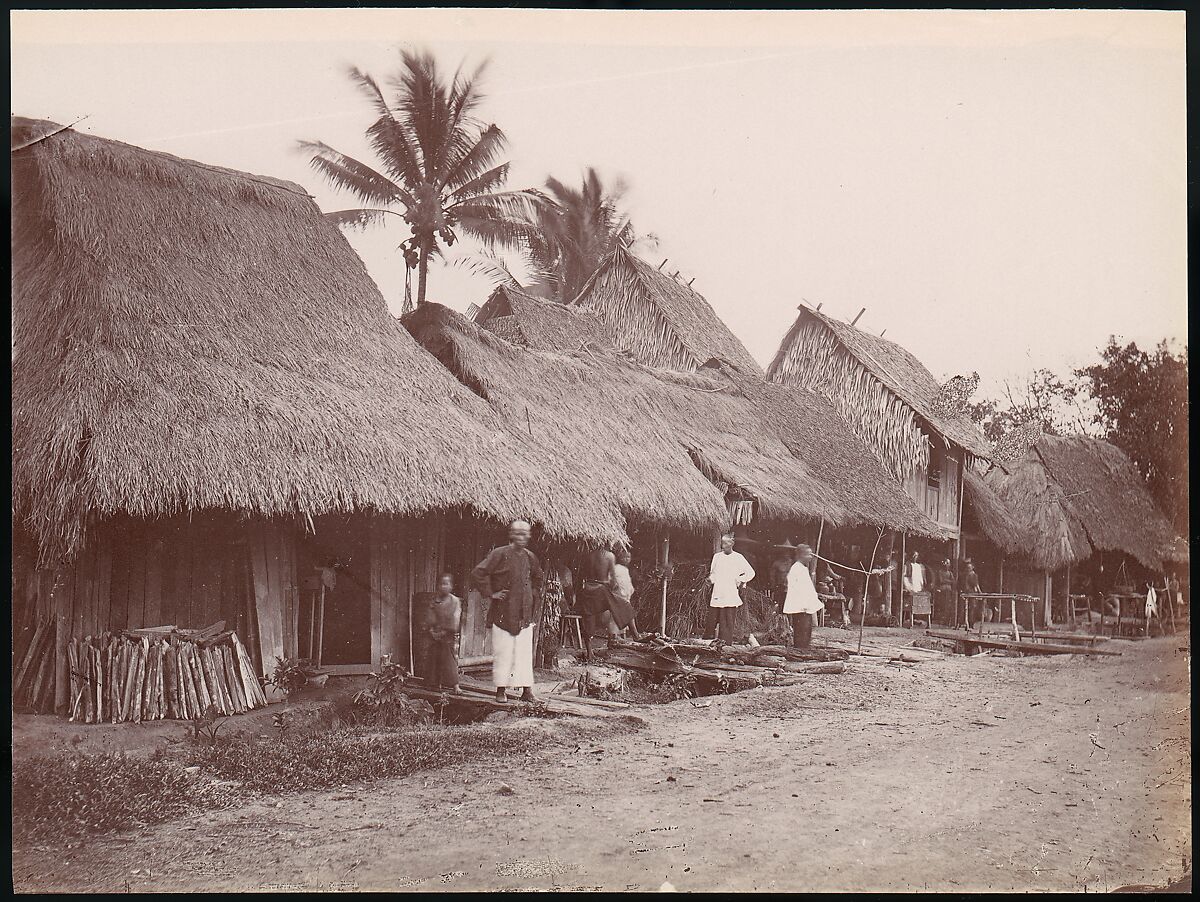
623,580
915,582
725,574
801,593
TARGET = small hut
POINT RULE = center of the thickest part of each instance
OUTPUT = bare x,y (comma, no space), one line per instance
1079,503
211,407
538,323
662,321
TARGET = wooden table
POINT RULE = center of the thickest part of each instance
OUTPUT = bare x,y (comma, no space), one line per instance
1126,603
1000,597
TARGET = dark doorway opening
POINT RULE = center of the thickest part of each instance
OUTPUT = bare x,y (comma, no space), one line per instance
343,635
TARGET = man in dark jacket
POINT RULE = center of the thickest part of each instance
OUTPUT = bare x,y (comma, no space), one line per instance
512,578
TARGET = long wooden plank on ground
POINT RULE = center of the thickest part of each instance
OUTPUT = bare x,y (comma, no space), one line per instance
1036,648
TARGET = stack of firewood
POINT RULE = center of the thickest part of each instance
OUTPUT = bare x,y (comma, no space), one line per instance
147,674
33,678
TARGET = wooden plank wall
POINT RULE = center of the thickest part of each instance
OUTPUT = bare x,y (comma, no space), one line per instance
184,571
406,558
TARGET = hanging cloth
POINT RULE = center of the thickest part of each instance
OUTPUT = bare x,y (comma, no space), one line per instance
1151,603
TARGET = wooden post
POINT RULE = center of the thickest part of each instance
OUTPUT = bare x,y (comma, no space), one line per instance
903,564
1070,603
1000,591
665,550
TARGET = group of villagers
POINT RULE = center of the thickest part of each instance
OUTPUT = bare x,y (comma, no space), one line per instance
512,581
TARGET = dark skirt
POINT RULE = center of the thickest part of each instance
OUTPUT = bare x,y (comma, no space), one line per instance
596,599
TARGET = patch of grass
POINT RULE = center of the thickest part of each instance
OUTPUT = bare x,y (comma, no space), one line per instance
354,755
68,795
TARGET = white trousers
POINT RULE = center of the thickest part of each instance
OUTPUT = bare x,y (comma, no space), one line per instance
512,658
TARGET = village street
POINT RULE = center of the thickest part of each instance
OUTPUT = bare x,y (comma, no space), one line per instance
1057,773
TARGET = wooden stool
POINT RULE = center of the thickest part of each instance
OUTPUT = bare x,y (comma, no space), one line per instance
564,634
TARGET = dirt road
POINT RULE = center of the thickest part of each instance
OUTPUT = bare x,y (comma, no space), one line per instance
963,774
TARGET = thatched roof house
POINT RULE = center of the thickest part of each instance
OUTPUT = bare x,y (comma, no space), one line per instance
1072,496
669,447
891,401
538,323
890,394
188,337
663,322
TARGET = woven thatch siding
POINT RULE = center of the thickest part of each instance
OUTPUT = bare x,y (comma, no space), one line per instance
188,337
813,358
1071,496
812,354
655,442
663,323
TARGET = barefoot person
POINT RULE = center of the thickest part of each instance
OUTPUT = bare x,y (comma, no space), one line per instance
623,590
599,596
728,572
512,578
802,603
445,627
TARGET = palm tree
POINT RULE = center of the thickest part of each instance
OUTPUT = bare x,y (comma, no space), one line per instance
439,169
574,232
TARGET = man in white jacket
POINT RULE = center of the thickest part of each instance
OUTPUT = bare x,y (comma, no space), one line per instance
728,573
802,603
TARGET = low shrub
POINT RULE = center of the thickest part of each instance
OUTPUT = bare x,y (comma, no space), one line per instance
352,755
66,795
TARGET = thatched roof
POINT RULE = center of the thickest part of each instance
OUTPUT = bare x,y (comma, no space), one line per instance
657,443
982,505
541,324
189,337
1071,496
662,322
891,413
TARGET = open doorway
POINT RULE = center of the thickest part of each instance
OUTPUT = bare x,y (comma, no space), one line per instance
334,619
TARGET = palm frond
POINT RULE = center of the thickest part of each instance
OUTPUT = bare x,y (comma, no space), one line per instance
361,218
482,184
489,265
351,175
468,161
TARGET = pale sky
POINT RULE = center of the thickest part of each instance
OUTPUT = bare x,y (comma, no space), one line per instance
1000,190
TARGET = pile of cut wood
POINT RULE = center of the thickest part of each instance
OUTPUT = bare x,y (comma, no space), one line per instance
725,668
147,674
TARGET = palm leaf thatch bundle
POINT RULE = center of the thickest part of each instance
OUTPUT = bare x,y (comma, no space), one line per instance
1071,496
890,399
663,323
187,337
665,447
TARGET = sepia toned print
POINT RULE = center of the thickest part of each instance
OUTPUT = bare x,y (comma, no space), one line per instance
570,451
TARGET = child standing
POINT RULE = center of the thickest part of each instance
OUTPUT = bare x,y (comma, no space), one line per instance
444,619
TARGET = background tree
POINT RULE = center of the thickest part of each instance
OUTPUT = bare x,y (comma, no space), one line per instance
569,235
440,170
1046,401
1143,408
574,233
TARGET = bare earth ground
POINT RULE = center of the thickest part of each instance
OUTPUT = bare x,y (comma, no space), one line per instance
1058,773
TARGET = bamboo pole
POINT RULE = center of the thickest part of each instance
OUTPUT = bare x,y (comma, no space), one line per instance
862,617
666,552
